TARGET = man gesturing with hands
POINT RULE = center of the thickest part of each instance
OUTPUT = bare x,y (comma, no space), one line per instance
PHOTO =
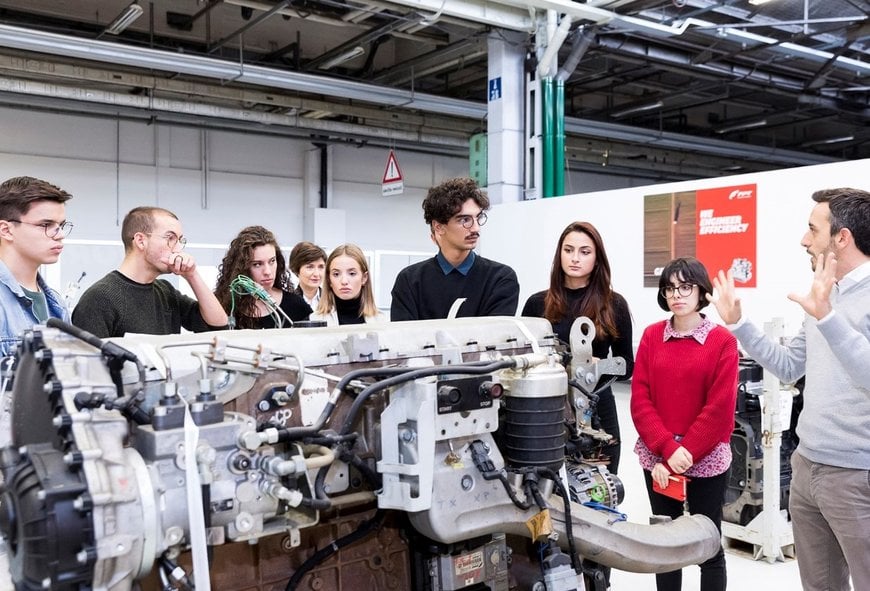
830,486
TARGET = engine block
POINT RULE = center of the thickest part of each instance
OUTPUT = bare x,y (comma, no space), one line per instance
408,455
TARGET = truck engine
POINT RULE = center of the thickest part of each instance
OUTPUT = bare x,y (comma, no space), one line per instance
431,455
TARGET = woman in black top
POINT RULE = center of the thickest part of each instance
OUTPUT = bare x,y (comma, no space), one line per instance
347,297
253,279
580,286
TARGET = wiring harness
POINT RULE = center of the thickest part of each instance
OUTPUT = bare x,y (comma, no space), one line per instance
242,286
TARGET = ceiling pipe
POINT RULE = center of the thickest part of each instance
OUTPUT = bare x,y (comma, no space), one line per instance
554,43
578,49
194,65
53,44
586,12
252,23
116,101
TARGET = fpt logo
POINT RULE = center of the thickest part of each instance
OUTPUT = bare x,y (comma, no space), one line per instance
740,194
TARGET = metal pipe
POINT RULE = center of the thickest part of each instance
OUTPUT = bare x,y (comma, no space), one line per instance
547,128
558,138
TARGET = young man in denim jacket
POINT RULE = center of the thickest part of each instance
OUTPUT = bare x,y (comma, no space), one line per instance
32,228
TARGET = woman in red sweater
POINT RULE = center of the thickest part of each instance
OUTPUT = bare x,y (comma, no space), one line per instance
683,393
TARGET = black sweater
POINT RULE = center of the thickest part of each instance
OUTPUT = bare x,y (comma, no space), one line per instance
603,345
422,291
293,305
347,311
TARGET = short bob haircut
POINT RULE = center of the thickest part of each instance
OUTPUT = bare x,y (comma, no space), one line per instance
686,270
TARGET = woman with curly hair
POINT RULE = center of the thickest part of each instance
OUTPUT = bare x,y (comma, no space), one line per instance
253,283
347,297
580,286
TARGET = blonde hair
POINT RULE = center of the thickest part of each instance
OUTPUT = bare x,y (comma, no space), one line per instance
367,307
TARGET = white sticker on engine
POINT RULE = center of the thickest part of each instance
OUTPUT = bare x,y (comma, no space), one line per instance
468,563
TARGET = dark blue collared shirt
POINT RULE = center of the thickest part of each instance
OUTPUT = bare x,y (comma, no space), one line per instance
463,268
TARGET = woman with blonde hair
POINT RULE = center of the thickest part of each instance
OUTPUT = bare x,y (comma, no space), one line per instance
347,295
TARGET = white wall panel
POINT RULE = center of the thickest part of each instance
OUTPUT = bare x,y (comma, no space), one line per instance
524,236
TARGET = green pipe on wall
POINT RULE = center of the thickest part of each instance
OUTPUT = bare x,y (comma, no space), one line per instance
559,138
547,129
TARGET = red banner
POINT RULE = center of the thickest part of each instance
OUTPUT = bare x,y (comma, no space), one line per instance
726,231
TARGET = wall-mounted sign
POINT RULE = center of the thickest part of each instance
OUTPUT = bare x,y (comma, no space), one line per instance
715,225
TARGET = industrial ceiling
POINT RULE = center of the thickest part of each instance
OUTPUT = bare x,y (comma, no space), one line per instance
664,89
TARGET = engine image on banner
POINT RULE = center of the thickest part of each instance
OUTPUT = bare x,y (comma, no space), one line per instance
715,225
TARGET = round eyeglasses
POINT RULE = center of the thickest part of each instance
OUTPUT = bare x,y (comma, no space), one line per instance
467,221
173,242
684,289
51,229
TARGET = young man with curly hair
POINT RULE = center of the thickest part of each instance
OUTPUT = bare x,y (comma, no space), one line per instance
455,211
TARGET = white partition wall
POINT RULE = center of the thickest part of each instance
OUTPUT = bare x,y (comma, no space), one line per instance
524,236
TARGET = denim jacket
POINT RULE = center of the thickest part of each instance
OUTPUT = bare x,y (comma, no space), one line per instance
17,309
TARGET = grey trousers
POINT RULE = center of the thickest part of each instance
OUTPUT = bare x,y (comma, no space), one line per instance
830,513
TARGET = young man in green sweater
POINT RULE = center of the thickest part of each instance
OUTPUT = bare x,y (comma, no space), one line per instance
133,299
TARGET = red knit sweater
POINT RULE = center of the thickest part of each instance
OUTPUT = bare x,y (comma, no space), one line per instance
681,387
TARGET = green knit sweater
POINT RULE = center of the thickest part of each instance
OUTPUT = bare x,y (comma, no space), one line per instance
116,305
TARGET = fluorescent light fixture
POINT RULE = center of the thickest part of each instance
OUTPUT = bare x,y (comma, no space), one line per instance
830,140
125,19
342,57
744,125
637,109
758,2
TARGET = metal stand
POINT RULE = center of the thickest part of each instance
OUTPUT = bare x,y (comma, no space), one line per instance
770,532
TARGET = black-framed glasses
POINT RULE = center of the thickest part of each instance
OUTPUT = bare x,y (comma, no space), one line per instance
51,229
467,221
684,289
173,241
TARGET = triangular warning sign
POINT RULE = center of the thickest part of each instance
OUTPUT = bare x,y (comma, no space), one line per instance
392,174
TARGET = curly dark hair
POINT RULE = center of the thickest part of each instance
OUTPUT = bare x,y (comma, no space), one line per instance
237,261
597,302
443,201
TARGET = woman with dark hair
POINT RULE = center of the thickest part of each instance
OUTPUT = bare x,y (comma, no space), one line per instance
580,286
682,402
348,297
253,284
308,263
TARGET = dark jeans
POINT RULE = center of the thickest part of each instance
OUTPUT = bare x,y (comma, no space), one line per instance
705,496
609,423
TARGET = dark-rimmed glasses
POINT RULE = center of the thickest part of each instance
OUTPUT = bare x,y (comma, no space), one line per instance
467,221
684,289
51,229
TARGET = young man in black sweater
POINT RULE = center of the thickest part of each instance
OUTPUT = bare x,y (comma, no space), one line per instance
455,211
